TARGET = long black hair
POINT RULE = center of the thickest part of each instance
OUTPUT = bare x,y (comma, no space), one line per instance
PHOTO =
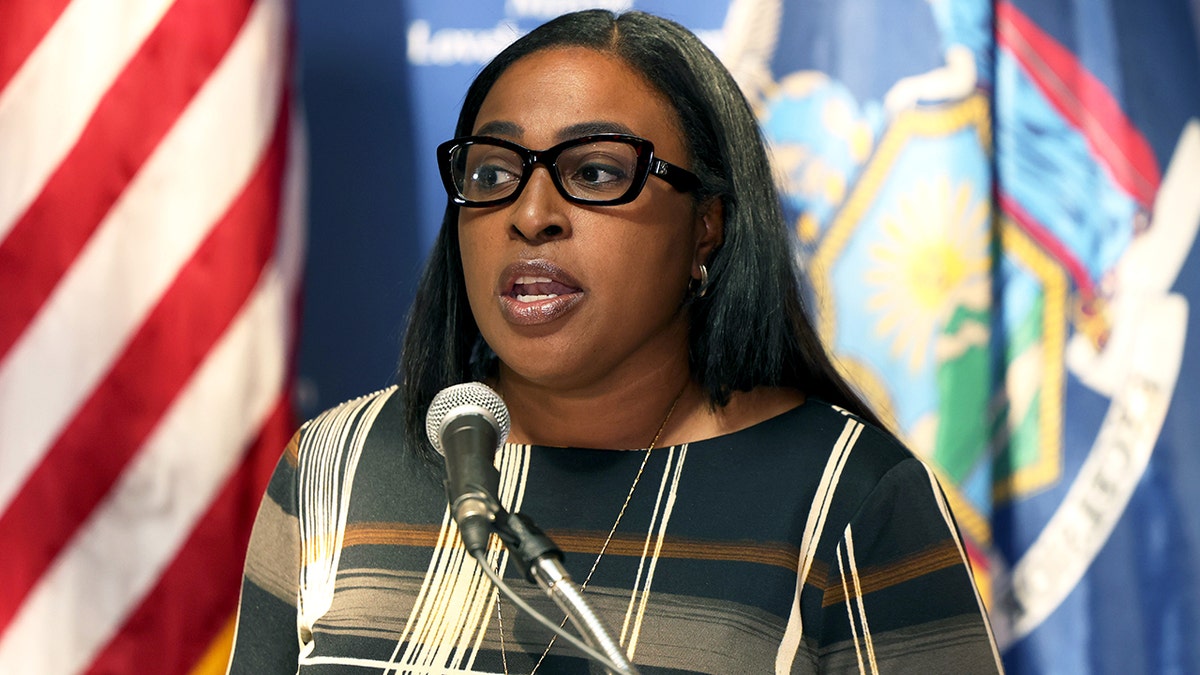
750,329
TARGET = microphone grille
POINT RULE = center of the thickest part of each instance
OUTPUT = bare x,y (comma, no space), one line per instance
468,397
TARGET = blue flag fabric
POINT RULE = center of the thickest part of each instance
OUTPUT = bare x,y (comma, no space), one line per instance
996,205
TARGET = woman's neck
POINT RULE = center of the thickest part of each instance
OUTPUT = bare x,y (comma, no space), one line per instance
673,409
618,415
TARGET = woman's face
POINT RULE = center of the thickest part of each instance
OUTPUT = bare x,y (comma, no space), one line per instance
571,295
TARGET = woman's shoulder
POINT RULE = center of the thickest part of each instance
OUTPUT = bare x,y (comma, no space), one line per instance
364,436
793,415
356,411
352,425
813,435
866,462
869,450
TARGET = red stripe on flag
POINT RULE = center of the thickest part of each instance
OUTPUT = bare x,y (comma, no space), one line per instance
129,122
134,395
198,592
25,24
1083,100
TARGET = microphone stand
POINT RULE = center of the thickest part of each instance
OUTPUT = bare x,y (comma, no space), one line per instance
540,561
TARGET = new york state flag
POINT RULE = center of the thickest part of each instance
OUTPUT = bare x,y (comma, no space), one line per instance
996,204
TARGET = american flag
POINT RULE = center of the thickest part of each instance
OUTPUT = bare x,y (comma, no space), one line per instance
150,249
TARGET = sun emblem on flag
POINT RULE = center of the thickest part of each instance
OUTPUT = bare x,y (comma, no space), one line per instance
932,258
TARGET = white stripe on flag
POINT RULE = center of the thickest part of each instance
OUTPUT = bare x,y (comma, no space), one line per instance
48,102
137,530
184,188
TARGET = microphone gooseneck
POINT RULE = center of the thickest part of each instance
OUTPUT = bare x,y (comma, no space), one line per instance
467,423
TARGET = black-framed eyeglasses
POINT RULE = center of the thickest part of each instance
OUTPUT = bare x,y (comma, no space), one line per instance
601,169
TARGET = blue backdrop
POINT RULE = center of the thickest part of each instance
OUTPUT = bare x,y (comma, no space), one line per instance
996,203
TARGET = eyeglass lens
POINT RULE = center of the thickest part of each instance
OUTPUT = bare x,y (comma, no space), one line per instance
596,171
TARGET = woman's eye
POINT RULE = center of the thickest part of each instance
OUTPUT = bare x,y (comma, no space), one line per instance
492,176
599,173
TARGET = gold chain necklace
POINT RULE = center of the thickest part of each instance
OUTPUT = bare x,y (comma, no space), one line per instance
604,547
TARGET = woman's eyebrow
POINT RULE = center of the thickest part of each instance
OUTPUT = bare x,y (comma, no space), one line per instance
509,129
500,128
590,128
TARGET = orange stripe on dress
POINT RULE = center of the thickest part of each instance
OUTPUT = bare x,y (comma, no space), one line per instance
876,578
577,541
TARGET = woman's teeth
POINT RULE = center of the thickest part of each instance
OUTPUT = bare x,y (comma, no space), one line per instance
524,283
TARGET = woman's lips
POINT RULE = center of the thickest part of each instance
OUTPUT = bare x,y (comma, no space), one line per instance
536,292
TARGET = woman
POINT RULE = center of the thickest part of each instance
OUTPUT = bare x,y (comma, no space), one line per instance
614,263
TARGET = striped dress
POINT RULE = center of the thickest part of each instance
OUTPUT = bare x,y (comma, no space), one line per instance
809,542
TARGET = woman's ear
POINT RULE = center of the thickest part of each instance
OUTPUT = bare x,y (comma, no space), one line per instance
710,232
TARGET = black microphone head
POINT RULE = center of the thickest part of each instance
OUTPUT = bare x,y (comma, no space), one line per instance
468,398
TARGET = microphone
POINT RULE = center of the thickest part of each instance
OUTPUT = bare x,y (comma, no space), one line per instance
467,423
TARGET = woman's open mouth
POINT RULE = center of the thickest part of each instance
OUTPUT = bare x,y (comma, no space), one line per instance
536,292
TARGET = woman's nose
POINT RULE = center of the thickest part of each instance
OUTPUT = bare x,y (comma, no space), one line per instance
539,213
